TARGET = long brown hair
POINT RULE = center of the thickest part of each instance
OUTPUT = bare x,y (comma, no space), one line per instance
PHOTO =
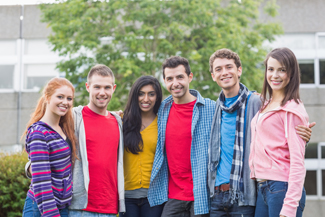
287,59
66,121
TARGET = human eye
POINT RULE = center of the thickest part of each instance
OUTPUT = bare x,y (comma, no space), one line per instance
180,77
283,70
108,87
270,69
217,70
141,93
69,98
152,94
60,97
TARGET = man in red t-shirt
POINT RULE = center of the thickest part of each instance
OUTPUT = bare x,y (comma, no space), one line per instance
98,182
98,177
177,76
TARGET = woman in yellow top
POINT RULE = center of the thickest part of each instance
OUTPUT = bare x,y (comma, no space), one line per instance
140,132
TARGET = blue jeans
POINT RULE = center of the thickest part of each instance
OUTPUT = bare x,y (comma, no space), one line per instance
31,209
221,207
81,213
270,196
140,208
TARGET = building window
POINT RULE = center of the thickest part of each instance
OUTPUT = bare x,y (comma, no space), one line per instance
6,76
315,174
36,83
322,71
37,75
307,71
311,182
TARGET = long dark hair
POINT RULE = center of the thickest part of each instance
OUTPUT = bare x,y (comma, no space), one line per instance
287,59
132,114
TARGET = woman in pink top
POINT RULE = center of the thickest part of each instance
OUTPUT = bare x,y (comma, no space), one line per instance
277,152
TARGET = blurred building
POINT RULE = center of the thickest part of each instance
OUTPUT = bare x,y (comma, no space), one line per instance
27,63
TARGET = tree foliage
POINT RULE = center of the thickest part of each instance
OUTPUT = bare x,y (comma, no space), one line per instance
13,184
134,37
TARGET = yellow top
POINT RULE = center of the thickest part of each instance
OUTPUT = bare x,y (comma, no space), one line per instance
137,167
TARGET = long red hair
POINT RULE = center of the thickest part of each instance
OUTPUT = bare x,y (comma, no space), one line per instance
66,121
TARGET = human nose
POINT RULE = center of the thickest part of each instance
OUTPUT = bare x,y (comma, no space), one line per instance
275,74
101,91
175,83
65,101
146,97
223,71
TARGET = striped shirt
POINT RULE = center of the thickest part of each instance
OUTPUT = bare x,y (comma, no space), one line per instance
50,156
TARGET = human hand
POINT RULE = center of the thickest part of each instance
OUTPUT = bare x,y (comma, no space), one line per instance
256,93
305,132
119,113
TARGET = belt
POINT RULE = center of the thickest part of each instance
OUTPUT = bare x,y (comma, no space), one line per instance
223,187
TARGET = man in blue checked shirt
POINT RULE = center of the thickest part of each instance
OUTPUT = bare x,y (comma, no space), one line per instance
179,173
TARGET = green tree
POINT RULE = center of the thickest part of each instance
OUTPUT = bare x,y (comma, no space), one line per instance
134,37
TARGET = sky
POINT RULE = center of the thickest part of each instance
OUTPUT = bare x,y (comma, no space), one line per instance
24,2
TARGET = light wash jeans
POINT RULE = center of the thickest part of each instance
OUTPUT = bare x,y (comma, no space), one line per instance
31,209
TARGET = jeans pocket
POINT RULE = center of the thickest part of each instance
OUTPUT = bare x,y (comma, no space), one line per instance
28,210
275,187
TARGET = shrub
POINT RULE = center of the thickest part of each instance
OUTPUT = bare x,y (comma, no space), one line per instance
13,184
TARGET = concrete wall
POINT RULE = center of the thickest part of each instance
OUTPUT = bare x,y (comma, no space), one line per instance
314,101
9,114
9,22
300,15
32,26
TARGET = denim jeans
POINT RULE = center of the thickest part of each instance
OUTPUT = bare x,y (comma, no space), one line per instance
31,209
140,207
270,196
221,207
81,213
180,208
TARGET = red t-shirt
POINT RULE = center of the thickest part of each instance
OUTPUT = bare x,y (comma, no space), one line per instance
102,140
178,149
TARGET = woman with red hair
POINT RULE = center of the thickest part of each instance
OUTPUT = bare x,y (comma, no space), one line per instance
51,147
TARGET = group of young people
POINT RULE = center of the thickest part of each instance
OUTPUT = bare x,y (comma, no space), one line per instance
242,155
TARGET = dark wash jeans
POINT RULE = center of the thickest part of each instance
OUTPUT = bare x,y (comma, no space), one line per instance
270,196
140,208
221,207
180,208
31,209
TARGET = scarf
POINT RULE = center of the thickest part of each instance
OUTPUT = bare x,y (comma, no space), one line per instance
236,175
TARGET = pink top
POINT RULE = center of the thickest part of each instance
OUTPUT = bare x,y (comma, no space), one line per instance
277,151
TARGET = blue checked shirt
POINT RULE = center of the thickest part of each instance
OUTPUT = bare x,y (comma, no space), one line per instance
200,129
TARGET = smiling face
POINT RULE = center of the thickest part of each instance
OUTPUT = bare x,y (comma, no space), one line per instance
100,90
61,101
276,76
226,75
177,83
147,98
